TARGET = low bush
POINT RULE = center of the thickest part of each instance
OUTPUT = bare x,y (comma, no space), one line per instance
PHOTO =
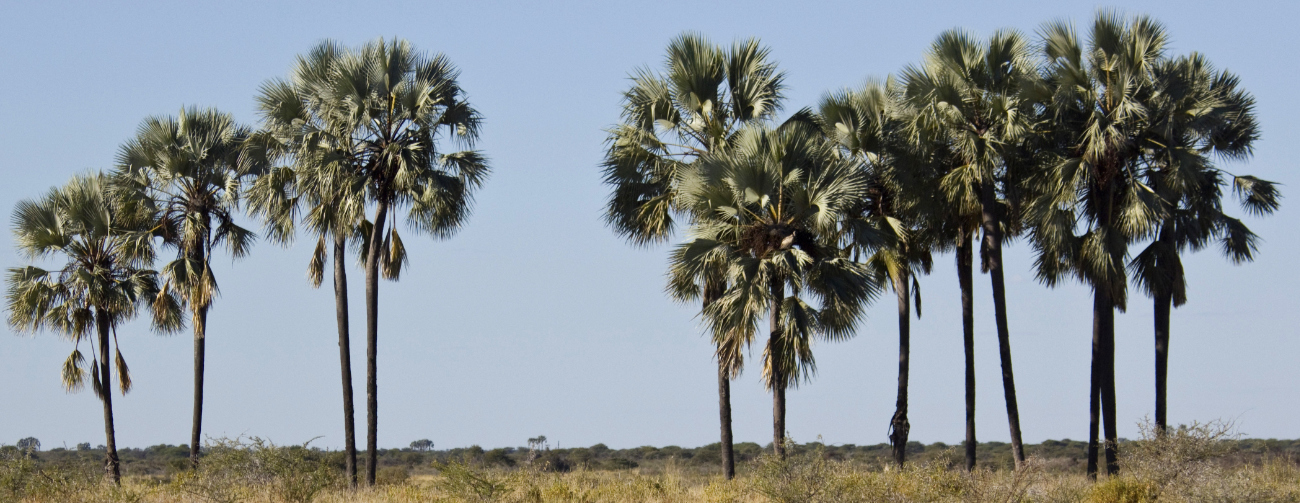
234,470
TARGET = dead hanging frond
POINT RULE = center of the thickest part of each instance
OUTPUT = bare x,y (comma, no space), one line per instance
123,372
394,256
316,268
74,377
361,236
916,294
168,309
95,384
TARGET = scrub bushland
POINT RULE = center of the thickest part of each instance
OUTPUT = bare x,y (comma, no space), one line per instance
1195,463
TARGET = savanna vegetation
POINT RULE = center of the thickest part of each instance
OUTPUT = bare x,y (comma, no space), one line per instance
1197,463
1098,148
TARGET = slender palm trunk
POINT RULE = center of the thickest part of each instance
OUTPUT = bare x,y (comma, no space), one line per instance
1163,303
778,374
778,420
112,467
1163,298
200,341
1108,390
724,415
965,261
372,332
345,358
1104,339
198,256
993,258
372,325
1094,382
898,425
1101,406
713,290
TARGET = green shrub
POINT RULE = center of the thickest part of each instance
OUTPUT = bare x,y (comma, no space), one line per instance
22,476
462,481
234,470
805,478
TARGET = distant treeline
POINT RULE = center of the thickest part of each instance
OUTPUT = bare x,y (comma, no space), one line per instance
1062,455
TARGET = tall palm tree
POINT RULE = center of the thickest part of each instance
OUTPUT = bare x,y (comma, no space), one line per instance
105,280
192,168
770,209
383,111
886,224
695,107
1198,112
967,94
1091,201
317,179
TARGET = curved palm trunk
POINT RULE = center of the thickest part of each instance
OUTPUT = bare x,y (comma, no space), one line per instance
112,467
724,414
993,262
345,358
1163,302
965,261
372,332
200,342
898,425
778,374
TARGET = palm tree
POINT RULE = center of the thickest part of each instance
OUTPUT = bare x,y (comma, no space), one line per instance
967,95
1100,104
695,107
192,168
317,180
382,111
885,224
105,280
770,209
1197,112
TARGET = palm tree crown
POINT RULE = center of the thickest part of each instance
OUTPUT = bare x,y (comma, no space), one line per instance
193,169
671,119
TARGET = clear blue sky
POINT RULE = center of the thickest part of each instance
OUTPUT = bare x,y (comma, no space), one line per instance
536,319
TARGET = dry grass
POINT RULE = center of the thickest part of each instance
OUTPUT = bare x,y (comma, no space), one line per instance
1183,466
